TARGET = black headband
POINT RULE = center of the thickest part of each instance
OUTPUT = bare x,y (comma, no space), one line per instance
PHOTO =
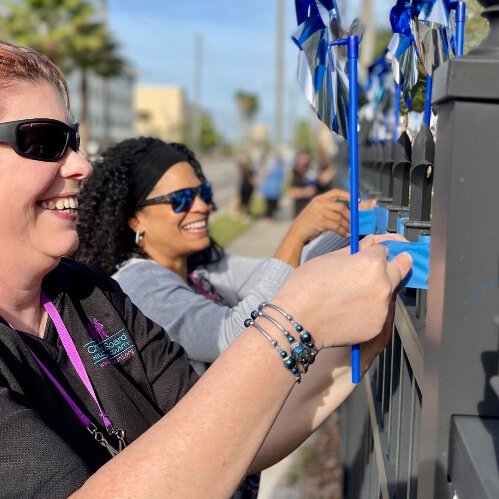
150,166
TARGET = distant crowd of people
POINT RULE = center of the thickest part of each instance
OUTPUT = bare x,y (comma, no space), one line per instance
302,178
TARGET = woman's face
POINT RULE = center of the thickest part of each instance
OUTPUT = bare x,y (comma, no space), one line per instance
170,237
37,229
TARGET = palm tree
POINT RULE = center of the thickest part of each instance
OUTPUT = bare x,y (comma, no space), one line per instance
248,106
71,34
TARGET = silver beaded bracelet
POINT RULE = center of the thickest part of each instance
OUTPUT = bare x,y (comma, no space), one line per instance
302,353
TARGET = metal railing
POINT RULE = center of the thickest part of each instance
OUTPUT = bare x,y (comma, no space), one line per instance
390,402
424,423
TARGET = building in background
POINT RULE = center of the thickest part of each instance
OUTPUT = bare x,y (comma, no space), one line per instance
161,111
110,108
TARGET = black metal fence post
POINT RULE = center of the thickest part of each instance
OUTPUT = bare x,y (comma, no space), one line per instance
425,422
400,170
461,343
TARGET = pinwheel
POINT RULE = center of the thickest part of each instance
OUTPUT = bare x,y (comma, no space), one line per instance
379,89
327,73
402,53
323,62
425,29
433,25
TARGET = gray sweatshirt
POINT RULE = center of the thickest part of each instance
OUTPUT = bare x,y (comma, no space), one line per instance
203,327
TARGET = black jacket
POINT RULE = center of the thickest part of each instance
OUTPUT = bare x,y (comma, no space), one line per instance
136,371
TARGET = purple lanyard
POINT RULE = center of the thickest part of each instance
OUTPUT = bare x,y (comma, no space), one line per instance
75,359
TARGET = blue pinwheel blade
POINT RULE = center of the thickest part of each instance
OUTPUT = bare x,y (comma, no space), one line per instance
434,31
322,68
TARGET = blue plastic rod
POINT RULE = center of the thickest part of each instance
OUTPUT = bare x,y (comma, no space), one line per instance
460,22
353,149
427,101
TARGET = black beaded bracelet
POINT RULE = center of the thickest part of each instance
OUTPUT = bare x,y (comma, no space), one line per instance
304,351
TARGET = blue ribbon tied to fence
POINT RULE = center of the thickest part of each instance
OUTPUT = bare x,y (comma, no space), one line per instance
420,253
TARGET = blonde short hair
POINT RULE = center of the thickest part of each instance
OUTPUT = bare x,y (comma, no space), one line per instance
24,64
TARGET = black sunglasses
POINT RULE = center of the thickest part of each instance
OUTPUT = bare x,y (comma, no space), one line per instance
183,199
41,139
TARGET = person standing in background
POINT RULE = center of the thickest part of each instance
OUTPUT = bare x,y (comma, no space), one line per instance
272,185
326,174
246,183
303,182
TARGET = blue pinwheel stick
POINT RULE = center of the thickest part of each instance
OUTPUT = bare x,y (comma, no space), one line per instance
352,43
460,22
353,55
427,100
322,76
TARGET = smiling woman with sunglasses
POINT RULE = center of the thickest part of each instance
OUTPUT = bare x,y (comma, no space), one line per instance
151,202
95,399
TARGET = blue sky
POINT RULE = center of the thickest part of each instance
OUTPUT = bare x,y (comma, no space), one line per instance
239,38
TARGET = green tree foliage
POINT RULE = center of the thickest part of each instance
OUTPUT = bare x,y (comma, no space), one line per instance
70,33
476,27
247,104
382,40
209,135
304,137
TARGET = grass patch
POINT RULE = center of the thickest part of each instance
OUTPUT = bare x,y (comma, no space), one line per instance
224,228
257,206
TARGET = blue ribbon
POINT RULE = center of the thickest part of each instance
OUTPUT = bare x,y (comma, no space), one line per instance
401,226
367,222
381,219
420,253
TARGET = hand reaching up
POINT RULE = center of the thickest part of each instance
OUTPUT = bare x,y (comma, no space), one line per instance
344,299
324,212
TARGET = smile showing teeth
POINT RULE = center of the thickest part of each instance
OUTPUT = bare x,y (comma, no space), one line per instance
195,225
70,203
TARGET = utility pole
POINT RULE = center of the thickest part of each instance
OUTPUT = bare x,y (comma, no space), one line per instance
106,97
279,73
366,56
197,85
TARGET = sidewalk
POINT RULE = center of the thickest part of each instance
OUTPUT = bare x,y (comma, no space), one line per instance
263,236
261,240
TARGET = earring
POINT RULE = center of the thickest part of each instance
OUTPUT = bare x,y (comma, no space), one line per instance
138,237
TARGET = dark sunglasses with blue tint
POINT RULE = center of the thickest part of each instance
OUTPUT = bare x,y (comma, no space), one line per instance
42,139
183,199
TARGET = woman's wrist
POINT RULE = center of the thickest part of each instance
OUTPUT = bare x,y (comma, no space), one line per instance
290,249
296,311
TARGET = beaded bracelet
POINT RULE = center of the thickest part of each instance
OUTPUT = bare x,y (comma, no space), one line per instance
304,351
288,361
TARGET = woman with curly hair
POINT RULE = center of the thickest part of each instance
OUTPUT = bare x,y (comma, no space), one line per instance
144,219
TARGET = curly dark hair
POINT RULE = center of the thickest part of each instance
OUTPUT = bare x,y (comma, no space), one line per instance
106,204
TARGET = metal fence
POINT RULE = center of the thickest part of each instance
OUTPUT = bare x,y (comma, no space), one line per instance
425,422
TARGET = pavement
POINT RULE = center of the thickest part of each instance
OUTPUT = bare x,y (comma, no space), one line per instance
261,240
